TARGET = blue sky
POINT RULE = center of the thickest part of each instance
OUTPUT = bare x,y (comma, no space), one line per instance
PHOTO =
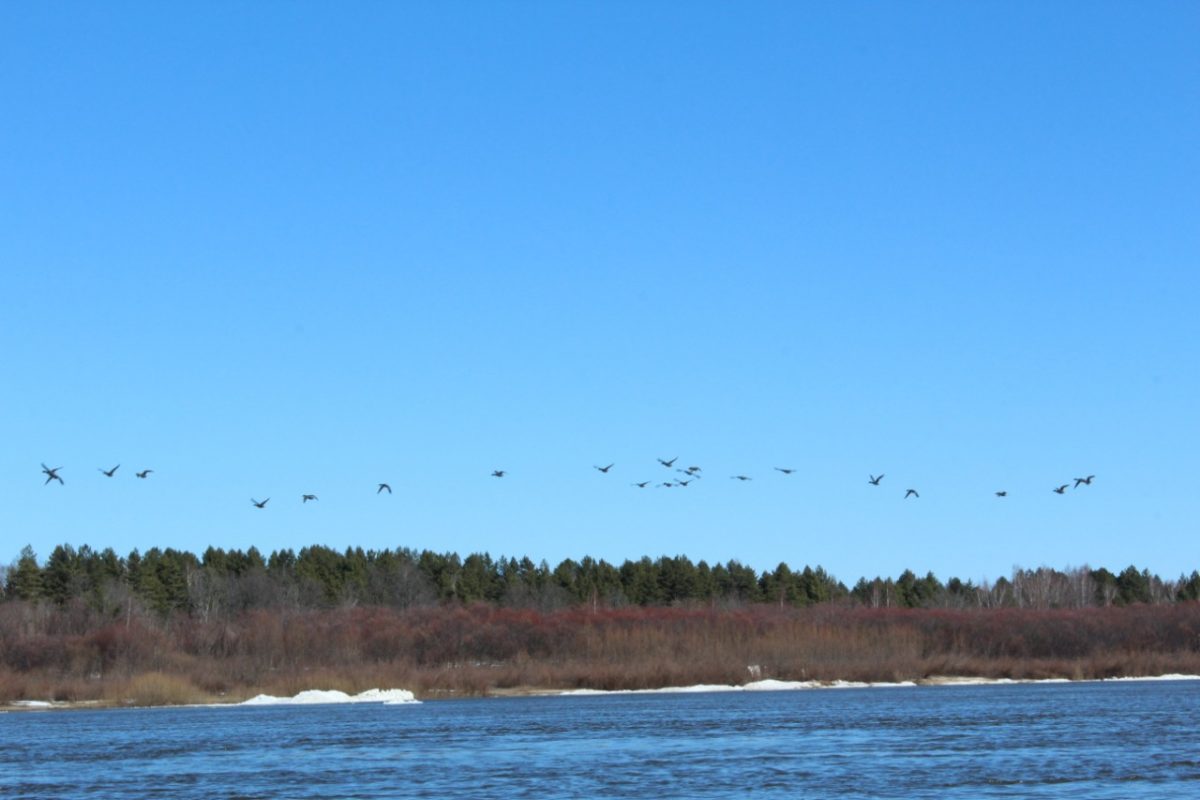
303,247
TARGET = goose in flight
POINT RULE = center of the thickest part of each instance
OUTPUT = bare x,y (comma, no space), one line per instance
874,479
143,473
108,473
257,504
668,464
1002,494
497,473
1085,481
383,486
308,497
666,484
1062,488
784,470
641,485
605,469
683,483
740,478
52,474
910,493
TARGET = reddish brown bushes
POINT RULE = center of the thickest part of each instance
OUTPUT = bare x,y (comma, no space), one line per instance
482,648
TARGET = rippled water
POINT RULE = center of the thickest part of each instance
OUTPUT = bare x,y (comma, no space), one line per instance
1086,740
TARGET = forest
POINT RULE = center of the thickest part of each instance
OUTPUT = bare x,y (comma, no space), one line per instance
167,626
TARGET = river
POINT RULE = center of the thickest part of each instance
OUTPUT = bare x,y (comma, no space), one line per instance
1136,739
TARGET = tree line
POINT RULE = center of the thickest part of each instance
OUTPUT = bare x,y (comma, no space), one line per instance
219,583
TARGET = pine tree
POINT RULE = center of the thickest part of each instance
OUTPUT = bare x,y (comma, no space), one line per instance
25,578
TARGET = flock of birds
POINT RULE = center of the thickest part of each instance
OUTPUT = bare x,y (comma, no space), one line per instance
692,473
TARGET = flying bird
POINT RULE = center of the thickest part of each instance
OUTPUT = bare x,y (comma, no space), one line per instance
143,473
1001,494
497,473
911,492
874,479
108,473
1085,481
683,483
670,463
383,486
666,485
308,497
692,470
740,478
641,485
1062,488
605,469
257,504
784,470
52,474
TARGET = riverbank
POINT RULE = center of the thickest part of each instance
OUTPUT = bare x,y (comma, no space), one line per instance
455,651
405,697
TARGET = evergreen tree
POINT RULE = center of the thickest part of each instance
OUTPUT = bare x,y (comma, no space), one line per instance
1133,586
1189,588
25,578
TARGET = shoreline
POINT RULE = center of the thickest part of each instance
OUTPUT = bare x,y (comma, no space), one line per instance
404,697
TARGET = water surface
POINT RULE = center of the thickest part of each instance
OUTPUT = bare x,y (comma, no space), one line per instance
1083,740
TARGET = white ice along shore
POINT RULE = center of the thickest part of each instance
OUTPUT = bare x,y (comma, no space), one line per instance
753,686
388,697
791,686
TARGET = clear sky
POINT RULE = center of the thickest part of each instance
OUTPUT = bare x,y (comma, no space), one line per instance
280,248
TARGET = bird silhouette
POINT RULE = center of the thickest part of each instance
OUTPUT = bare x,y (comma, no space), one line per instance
912,493
1085,481
605,469
1001,494
497,473
670,463
1062,488
308,497
874,479
683,483
143,473
641,485
52,474
383,486
108,473
740,478
257,504
784,470
692,470
666,485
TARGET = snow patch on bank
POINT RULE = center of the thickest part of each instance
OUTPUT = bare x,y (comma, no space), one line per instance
791,686
388,697
768,685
